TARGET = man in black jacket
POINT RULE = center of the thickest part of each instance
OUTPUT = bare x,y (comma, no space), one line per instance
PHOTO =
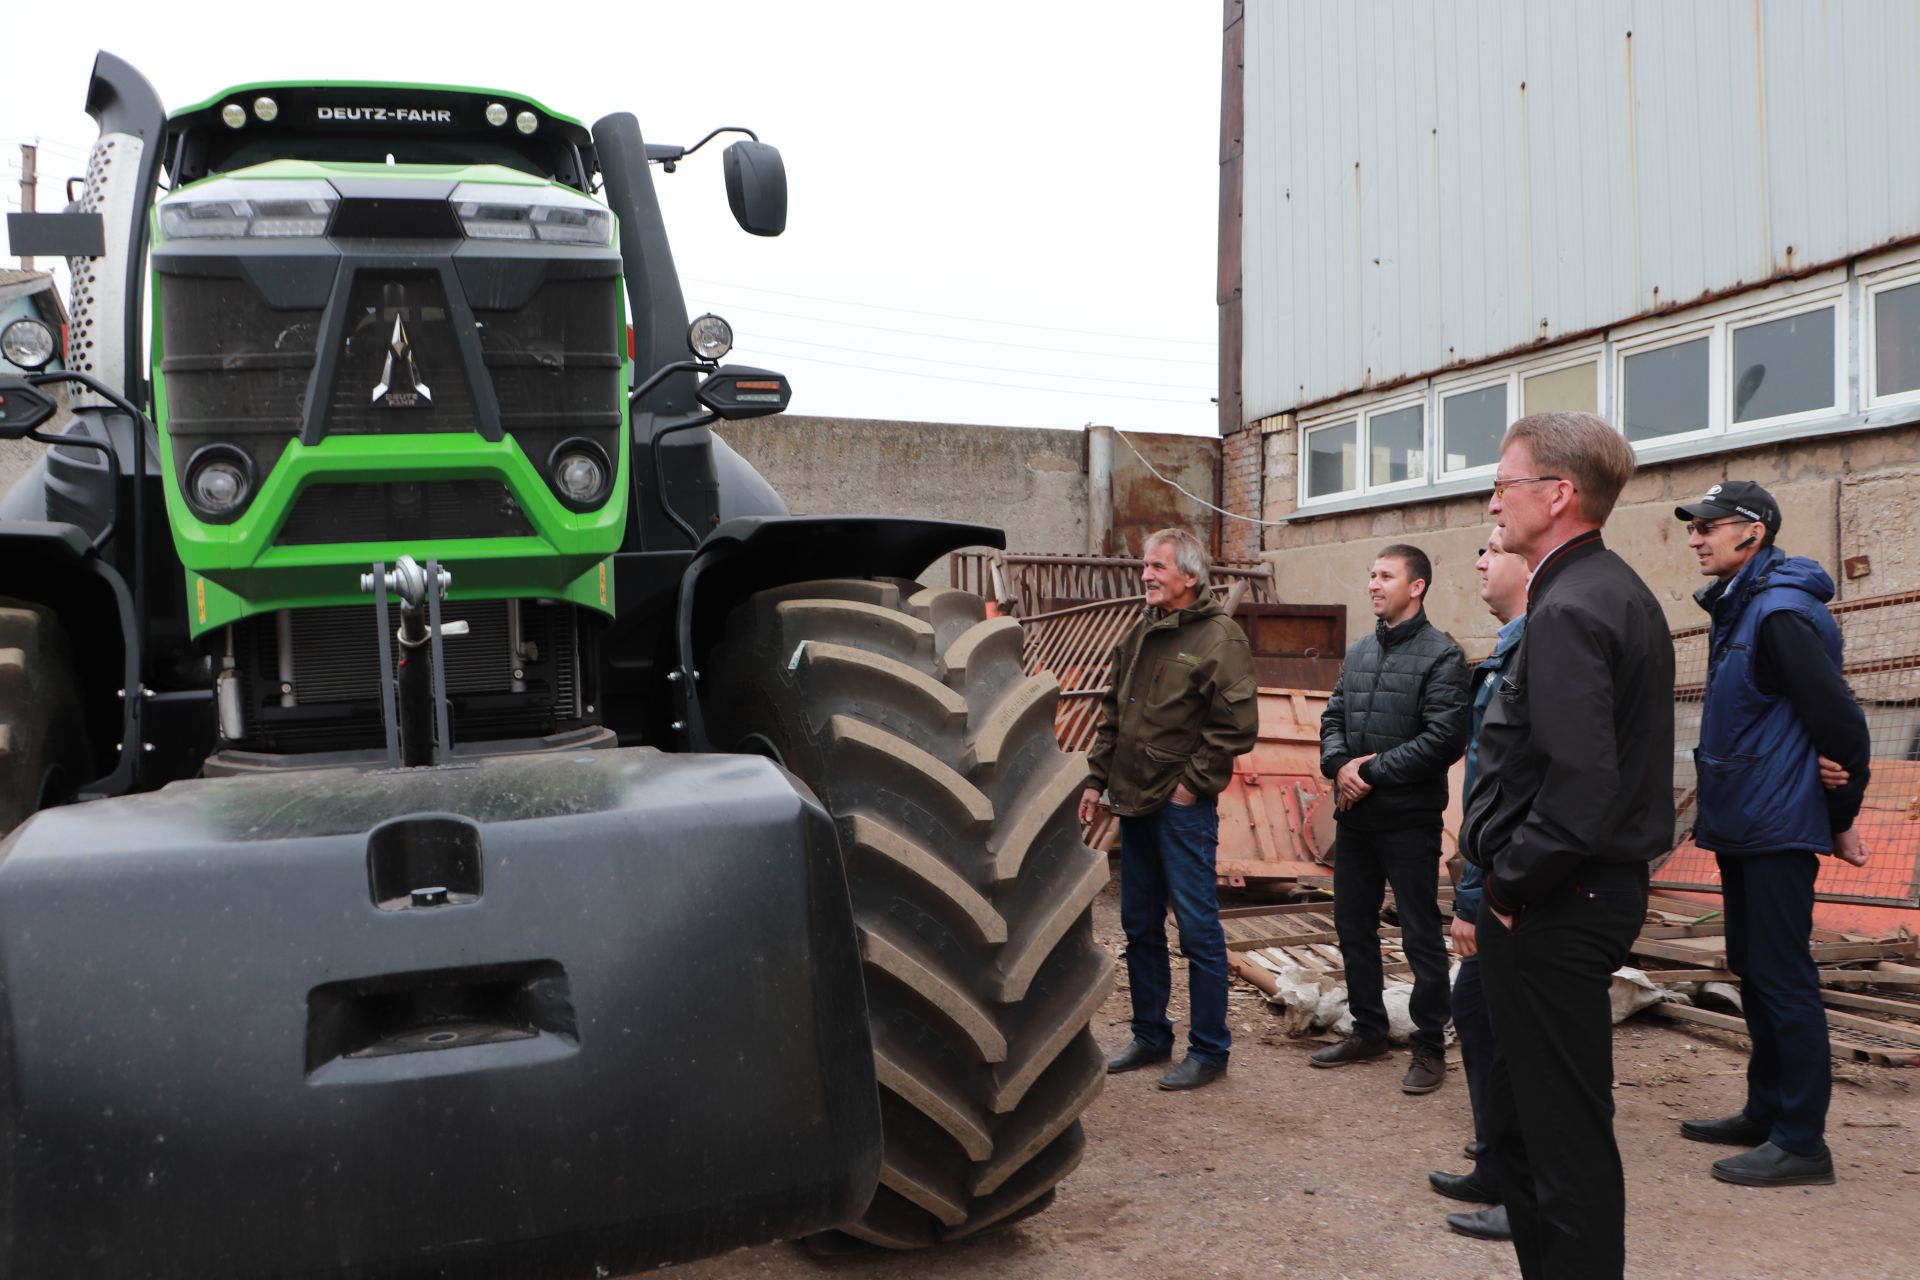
1397,719
1572,800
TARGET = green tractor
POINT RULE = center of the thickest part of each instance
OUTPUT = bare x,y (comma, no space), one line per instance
461,822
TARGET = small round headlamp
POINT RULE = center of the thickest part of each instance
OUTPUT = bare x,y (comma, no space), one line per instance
219,482
27,343
710,337
580,473
266,110
526,122
233,115
496,114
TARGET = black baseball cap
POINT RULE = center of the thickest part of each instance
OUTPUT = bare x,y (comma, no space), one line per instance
1734,498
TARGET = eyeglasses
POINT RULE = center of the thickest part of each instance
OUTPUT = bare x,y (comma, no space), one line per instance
1500,487
1704,527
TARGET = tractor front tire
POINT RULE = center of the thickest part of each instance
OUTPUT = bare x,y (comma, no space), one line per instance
43,736
910,715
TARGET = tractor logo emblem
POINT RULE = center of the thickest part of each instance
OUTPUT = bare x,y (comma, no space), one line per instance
400,385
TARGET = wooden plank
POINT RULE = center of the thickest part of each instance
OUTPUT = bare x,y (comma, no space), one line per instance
1868,978
1834,951
1677,951
1296,939
1909,1009
1708,929
1279,909
1837,1046
1692,975
1905,1034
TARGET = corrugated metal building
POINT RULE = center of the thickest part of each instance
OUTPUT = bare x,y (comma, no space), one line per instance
1701,220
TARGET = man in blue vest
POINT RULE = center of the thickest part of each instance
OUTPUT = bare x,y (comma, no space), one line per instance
1503,586
1776,702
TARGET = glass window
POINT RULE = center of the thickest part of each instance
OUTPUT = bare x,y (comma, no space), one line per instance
1333,457
1397,445
1473,423
1783,366
1575,389
1896,340
1664,391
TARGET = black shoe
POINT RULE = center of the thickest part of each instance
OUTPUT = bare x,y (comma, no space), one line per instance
1136,1055
1462,1186
1768,1166
1425,1075
1351,1049
1731,1131
1474,1150
1487,1224
1192,1073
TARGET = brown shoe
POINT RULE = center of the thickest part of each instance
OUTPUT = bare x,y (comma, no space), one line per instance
1351,1049
1425,1075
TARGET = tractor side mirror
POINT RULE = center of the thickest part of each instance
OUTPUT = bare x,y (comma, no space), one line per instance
58,235
756,187
24,407
735,391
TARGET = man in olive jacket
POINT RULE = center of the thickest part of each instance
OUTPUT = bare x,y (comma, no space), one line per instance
1397,719
1179,707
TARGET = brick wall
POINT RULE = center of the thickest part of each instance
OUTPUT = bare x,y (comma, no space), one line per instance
1241,463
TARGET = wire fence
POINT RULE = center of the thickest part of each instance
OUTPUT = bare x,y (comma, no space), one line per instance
1882,657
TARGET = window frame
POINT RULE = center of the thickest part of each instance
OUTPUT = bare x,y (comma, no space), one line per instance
1885,280
1594,353
1394,404
1465,384
1345,417
1659,339
1832,299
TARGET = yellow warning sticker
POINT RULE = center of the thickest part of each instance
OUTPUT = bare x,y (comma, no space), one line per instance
200,595
603,586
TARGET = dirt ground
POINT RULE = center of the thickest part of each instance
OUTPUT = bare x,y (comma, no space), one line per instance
1280,1169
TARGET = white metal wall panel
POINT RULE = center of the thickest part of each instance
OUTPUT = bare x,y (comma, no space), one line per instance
1433,184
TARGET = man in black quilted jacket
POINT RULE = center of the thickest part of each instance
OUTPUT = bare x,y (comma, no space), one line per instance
1397,719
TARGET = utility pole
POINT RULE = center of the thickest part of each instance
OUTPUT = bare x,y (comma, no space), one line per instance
29,181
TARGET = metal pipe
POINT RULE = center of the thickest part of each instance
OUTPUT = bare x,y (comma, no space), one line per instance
1099,489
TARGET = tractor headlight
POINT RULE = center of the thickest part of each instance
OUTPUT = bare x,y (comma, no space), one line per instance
232,208
28,344
579,470
219,481
489,211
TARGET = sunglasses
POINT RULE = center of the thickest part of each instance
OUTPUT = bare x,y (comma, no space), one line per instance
1500,487
1704,527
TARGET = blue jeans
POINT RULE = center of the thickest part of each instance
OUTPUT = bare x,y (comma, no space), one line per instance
1166,858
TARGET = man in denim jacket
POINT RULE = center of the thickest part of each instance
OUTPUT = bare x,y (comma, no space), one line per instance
1503,586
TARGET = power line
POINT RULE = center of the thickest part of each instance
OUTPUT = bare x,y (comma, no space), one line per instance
950,337
947,315
998,368
983,382
1231,515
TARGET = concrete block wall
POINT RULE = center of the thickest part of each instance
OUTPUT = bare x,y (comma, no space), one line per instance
1840,497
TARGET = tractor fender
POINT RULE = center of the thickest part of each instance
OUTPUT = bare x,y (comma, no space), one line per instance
54,564
569,1014
750,554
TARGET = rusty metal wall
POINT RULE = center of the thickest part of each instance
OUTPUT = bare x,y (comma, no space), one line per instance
1428,185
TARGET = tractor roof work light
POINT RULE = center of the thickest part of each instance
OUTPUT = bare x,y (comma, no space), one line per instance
233,115
28,343
266,110
526,122
496,114
709,337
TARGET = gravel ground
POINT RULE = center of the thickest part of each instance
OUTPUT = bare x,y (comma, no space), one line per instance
1283,1169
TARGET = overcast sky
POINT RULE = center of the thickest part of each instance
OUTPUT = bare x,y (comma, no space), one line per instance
1000,212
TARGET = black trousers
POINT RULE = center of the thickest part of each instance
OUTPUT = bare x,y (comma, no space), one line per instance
1550,1093
1364,863
1769,898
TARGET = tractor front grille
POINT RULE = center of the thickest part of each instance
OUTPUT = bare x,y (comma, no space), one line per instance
403,511
334,660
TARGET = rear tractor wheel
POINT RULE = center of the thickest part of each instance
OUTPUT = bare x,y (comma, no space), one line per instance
909,714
